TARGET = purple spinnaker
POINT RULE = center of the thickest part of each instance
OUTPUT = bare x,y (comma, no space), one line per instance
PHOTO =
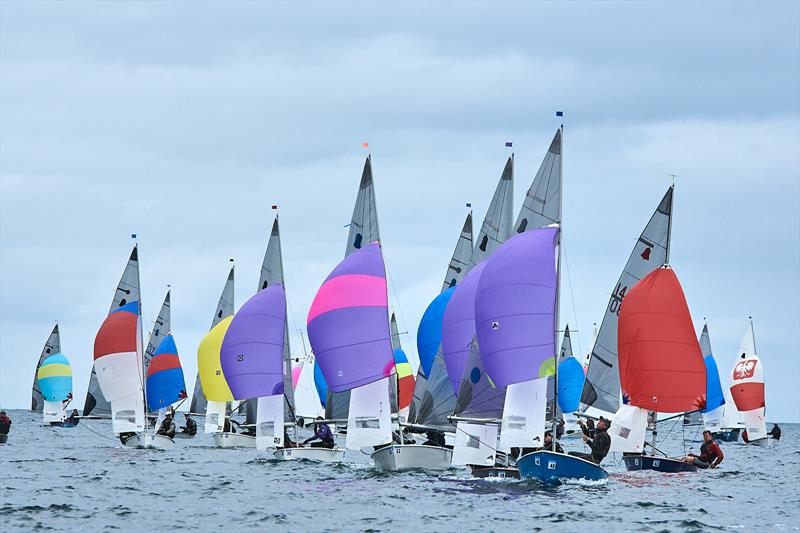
458,325
348,323
252,351
515,308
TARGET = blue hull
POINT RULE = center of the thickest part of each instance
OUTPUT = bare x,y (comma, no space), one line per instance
551,467
659,464
731,435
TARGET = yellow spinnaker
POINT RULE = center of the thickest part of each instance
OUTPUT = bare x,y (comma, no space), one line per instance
212,379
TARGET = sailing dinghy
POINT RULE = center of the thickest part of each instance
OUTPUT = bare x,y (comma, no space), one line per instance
51,347
54,379
712,413
661,366
747,390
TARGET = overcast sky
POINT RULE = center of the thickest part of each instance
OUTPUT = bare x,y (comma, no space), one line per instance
185,122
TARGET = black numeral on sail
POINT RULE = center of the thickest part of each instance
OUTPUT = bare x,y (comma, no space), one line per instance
616,298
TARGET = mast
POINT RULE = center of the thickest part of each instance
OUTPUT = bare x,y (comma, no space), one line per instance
140,344
558,293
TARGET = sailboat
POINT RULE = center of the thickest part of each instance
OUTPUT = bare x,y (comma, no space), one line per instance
54,379
712,414
747,390
732,423
601,391
433,399
51,347
118,357
661,365
348,327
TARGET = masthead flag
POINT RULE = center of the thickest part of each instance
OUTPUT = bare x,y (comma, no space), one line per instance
559,113
365,145
509,144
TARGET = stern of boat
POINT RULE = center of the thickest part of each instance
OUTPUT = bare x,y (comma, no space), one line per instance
550,467
409,456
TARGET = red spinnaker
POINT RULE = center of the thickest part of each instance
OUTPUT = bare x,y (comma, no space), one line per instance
660,361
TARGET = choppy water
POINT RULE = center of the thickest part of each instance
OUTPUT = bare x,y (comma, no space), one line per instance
74,479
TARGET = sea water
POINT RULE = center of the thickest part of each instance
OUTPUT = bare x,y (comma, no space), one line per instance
82,479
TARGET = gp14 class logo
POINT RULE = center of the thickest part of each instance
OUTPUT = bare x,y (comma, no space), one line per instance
745,369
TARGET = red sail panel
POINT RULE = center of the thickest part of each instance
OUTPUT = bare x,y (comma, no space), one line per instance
748,396
118,334
661,363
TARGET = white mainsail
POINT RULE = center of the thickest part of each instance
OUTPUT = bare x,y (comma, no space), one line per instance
51,347
127,291
601,390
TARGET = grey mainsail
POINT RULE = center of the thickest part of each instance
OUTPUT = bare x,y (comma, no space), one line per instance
478,397
51,347
602,389
497,224
393,385
161,328
459,263
224,309
363,231
542,205
364,223
272,273
437,399
127,291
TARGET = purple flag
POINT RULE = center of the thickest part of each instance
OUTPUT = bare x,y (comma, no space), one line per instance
348,323
515,308
252,351
458,325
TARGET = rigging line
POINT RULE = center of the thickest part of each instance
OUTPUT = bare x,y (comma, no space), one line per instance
399,308
495,450
572,297
95,432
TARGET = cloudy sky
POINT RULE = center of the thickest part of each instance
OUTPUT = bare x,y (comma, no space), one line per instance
184,122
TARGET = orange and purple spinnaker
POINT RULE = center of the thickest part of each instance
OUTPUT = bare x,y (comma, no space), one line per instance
252,351
348,323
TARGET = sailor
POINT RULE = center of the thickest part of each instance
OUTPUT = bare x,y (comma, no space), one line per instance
775,432
599,442
5,423
167,426
191,426
587,427
124,436
710,453
435,438
73,418
322,433
548,443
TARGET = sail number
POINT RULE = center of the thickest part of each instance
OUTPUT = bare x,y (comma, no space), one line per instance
616,298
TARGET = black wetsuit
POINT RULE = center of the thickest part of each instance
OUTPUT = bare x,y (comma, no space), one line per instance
775,433
599,445
190,427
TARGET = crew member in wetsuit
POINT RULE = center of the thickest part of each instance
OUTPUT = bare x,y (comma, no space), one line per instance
167,426
322,432
548,443
191,426
775,432
5,423
435,438
73,418
587,427
710,453
599,443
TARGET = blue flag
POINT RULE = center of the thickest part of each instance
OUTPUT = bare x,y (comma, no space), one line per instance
559,113
133,235
509,144
469,205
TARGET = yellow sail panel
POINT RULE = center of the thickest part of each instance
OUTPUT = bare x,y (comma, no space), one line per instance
212,379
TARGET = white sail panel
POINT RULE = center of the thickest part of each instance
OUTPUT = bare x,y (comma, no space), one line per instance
712,420
731,417
369,422
459,263
215,416
306,397
51,347
524,415
629,429
475,444
127,414
601,389
269,422
497,224
53,412
755,424
542,205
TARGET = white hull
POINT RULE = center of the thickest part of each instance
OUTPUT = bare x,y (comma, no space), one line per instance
152,442
763,442
322,455
233,440
406,456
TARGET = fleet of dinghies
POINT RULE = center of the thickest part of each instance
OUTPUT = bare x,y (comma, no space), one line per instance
496,377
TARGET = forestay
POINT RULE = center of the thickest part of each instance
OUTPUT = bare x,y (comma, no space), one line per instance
127,291
51,347
602,387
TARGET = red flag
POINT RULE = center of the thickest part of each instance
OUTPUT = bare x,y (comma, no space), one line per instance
365,145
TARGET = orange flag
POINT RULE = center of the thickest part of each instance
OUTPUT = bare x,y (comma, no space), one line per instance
365,145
